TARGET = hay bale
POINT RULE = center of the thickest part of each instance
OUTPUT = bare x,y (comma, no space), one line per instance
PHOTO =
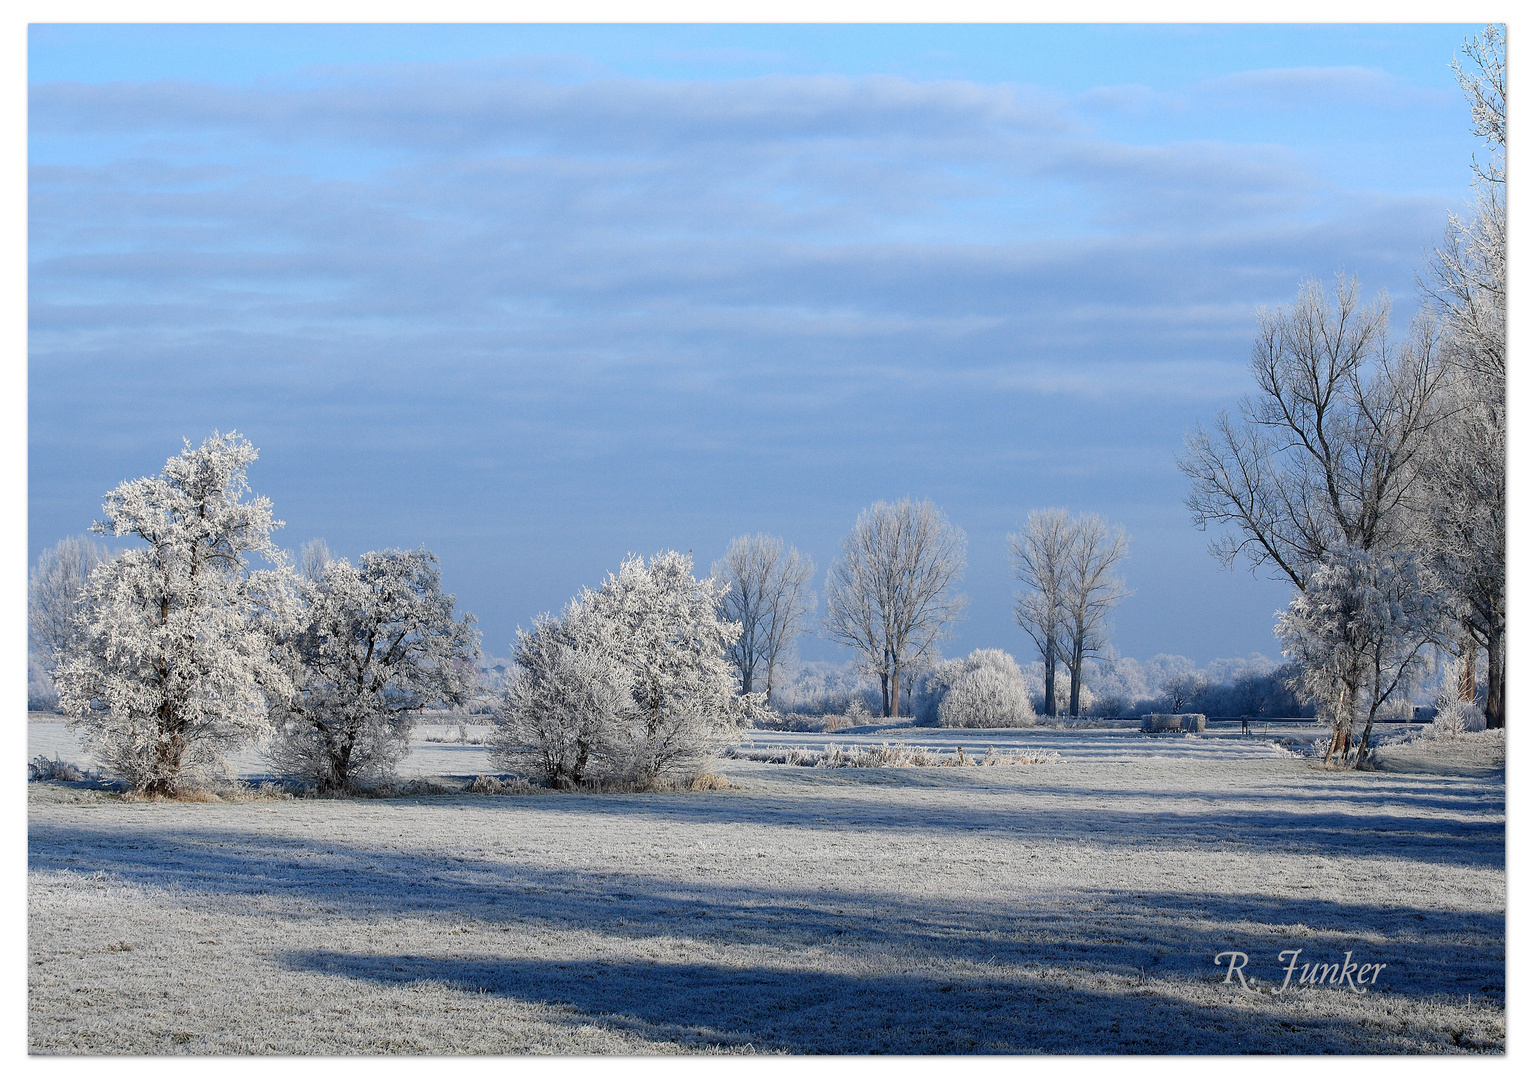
1155,722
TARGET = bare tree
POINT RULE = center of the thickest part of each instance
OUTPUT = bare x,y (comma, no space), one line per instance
313,558
1040,555
889,594
1091,591
769,595
1183,690
54,588
1325,454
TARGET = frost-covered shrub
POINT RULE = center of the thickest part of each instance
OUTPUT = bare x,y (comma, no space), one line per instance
819,688
1455,719
632,681
46,768
567,703
987,697
857,713
985,689
373,645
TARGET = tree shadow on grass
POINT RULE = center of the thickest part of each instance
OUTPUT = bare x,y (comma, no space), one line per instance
818,1012
1148,930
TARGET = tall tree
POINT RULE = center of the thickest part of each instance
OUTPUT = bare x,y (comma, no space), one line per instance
1463,504
890,593
1092,589
768,595
375,644
174,662
1040,556
1325,453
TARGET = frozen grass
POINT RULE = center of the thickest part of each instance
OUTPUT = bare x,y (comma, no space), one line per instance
886,756
1071,908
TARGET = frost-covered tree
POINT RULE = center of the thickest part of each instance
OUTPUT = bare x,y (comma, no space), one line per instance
174,660
630,683
1040,557
1462,509
769,596
1090,592
1358,632
890,593
55,586
375,644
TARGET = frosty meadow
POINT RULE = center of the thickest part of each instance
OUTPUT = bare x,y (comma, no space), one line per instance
283,802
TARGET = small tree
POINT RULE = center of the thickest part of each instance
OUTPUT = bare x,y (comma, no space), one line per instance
1358,632
1041,554
1090,593
55,587
377,643
768,595
173,664
889,595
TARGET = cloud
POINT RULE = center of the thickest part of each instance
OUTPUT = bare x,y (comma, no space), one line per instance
1325,87
493,301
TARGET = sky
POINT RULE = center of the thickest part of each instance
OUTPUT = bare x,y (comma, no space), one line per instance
537,297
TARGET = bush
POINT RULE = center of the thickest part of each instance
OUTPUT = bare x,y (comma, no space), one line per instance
1458,718
985,689
629,684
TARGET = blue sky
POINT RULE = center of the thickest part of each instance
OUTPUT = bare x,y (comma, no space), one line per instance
540,296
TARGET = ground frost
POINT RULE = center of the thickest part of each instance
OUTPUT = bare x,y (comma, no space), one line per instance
1073,906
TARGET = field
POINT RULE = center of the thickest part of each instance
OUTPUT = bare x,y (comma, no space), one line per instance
1076,905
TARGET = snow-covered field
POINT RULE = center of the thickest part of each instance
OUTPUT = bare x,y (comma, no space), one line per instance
1075,906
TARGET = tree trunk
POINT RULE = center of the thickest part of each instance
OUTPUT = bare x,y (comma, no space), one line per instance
896,691
1076,681
1468,653
1050,677
1495,693
747,680
885,690
1362,746
339,765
